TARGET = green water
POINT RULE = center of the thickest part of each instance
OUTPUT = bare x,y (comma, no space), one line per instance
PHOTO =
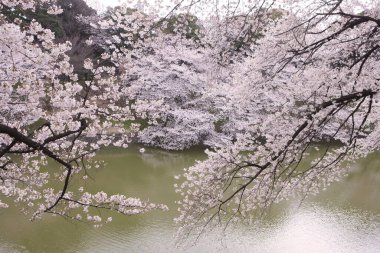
344,218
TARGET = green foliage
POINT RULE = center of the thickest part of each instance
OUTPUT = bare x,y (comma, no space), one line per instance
275,14
47,21
218,125
255,32
142,122
52,22
183,24
127,11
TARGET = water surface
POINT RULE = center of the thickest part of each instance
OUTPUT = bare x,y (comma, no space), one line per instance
344,218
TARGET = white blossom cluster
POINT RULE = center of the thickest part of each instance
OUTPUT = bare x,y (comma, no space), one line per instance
183,92
48,116
311,78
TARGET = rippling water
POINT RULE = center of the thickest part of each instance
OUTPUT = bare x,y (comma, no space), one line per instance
344,218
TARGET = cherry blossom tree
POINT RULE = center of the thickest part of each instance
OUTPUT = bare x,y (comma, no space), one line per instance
311,78
180,72
280,80
48,116
164,77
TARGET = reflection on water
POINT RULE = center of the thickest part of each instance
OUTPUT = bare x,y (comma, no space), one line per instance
345,218
311,229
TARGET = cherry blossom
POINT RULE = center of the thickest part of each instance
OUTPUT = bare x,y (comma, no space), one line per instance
48,116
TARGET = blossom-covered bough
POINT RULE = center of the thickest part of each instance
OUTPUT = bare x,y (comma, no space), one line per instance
315,75
47,116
